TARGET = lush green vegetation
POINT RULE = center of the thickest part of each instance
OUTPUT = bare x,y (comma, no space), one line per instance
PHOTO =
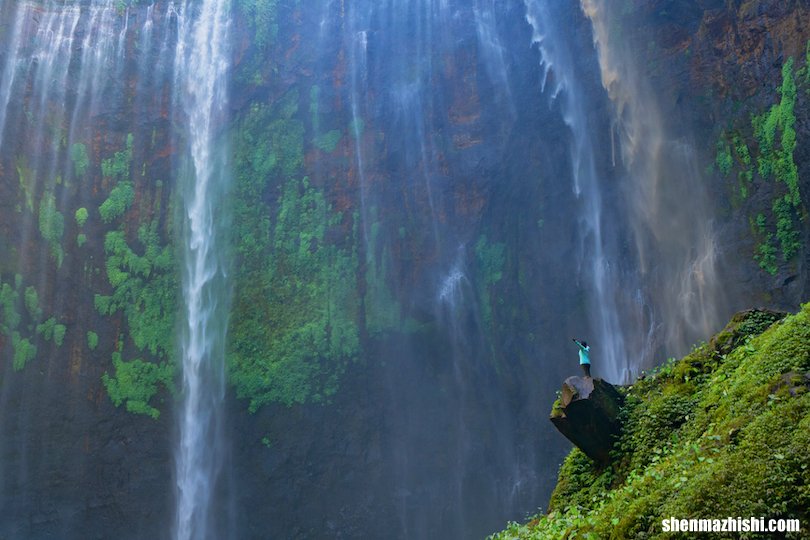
120,199
291,346
117,167
92,340
327,142
773,135
261,19
136,383
81,217
24,351
777,161
51,330
80,159
296,305
52,226
23,327
722,432
723,159
145,290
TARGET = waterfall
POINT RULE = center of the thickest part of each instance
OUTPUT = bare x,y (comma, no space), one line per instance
665,189
201,66
646,251
593,259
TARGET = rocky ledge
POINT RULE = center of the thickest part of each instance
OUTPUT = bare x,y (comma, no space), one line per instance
587,413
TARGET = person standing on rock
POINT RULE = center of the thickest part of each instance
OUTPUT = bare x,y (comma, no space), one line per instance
584,357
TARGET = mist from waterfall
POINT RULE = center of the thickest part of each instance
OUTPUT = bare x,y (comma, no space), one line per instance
671,217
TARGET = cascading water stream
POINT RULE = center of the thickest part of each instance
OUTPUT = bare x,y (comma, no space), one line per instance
671,220
593,262
201,65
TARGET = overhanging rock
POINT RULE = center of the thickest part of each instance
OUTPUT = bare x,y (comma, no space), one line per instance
589,416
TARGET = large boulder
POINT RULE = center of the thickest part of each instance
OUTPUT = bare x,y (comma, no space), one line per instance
588,416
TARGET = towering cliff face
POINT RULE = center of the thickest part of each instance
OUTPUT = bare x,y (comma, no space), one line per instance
724,73
428,199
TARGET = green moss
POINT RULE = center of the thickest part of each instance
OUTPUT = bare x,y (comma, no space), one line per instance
723,158
769,152
25,177
8,302
327,142
52,226
92,340
144,288
135,383
118,166
45,329
787,230
724,431
32,303
80,159
81,217
59,334
24,351
121,198
293,345
262,21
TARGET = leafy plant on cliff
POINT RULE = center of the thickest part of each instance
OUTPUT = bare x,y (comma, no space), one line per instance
117,167
723,159
771,156
136,383
722,432
327,142
299,324
92,340
295,303
120,199
80,159
144,288
144,284
776,161
260,17
52,226
24,327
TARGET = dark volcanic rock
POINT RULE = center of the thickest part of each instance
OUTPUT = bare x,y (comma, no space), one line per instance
588,416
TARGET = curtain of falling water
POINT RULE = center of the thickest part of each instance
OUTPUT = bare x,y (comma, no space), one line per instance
201,66
671,219
662,295
594,257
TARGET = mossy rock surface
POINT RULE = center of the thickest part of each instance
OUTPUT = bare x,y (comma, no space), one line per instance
722,432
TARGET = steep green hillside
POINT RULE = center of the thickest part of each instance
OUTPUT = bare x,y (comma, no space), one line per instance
723,432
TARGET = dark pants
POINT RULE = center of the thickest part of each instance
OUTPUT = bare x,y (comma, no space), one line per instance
587,369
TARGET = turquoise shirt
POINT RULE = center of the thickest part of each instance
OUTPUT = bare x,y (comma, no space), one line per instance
583,353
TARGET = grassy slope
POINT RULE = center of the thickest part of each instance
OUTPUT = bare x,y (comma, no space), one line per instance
725,431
